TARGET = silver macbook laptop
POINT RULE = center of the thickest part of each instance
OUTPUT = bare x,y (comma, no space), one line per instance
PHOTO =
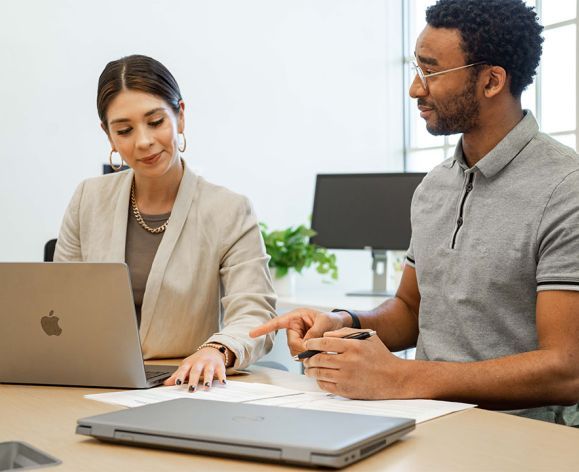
71,324
258,432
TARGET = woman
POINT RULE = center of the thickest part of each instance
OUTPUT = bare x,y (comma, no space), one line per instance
181,237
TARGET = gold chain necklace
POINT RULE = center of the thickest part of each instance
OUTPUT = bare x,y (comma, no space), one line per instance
139,218
137,213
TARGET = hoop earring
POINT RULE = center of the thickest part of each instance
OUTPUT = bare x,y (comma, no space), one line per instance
115,168
184,144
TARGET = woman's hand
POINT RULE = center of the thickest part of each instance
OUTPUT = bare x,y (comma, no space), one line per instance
207,363
303,324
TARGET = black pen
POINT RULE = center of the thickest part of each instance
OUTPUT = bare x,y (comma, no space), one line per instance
359,335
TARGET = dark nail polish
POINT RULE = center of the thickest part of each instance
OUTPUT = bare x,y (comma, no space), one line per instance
223,382
178,382
191,388
207,384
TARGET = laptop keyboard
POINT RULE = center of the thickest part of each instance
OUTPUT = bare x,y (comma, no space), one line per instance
155,373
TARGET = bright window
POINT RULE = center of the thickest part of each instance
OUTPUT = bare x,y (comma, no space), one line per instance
552,97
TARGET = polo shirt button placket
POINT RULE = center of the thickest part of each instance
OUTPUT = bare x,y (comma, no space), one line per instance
460,220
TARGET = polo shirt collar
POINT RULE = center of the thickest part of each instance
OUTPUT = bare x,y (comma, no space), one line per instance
505,151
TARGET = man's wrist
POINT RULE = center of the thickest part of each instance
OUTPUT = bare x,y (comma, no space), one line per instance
349,318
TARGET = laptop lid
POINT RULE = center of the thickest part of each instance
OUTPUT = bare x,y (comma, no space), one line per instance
259,432
69,324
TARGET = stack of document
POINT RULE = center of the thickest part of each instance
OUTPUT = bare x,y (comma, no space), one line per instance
263,394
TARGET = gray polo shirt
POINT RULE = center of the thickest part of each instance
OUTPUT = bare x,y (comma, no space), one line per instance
485,239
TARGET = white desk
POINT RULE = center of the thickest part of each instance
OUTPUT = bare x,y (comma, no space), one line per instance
327,298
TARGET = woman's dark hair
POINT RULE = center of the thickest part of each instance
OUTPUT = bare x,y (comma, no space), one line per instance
499,32
136,72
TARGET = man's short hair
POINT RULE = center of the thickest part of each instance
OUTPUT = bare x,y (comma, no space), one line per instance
504,33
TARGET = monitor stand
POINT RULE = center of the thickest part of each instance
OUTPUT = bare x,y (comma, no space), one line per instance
379,264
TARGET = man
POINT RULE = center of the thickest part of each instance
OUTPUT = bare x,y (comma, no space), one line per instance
490,292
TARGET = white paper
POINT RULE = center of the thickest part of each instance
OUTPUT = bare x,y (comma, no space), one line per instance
231,392
264,394
419,410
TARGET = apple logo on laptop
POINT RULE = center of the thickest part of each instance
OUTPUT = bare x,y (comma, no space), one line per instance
248,419
50,324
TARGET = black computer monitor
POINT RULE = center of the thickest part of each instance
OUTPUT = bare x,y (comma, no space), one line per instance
365,211
107,169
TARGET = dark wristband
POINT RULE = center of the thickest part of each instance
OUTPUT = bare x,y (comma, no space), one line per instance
355,320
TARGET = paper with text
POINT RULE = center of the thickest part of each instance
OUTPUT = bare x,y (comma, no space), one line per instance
264,394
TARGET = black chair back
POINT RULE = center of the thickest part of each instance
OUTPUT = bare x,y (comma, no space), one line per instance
49,248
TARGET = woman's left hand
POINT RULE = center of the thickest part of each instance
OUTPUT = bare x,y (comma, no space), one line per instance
207,363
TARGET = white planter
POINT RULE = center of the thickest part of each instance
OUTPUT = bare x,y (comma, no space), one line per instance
285,286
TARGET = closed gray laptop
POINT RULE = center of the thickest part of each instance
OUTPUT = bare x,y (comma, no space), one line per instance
71,324
258,432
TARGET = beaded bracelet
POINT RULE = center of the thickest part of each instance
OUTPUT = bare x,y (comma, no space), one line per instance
220,347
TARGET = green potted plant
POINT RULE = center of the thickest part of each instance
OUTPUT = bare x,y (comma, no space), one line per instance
291,251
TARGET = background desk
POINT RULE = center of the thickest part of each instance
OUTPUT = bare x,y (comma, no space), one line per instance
473,440
327,298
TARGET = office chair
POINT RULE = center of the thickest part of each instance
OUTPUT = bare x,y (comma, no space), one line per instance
49,248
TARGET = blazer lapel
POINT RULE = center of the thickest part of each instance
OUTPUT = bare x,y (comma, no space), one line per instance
116,251
179,214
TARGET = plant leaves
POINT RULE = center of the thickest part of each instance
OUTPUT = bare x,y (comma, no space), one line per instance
290,248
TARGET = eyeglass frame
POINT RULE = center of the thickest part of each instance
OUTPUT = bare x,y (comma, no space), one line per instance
422,76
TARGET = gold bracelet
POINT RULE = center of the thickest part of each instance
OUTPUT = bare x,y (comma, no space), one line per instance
220,347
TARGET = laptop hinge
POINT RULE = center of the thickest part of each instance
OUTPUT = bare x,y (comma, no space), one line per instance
211,447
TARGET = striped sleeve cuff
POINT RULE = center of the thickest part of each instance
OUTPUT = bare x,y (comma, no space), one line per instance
410,262
557,285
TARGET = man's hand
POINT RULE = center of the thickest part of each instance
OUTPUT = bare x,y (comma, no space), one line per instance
360,369
303,324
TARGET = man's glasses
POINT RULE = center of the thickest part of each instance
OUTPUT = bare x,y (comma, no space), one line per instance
423,76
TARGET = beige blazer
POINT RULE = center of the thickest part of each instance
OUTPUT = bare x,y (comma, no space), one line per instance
209,280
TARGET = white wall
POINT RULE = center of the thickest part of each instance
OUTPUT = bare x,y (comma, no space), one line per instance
276,91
